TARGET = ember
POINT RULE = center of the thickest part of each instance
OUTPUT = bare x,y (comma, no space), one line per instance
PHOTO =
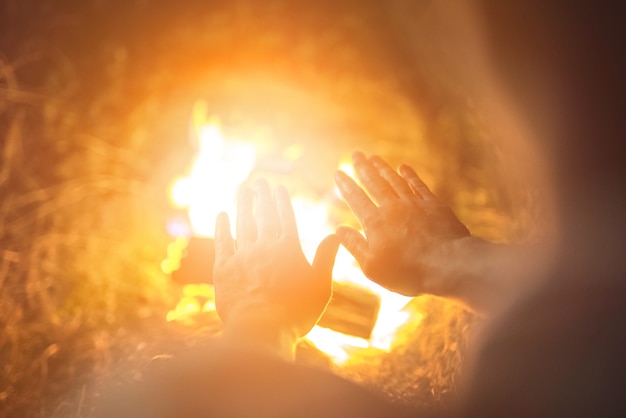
362,314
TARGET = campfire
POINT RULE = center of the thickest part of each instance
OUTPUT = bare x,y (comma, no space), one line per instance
361,317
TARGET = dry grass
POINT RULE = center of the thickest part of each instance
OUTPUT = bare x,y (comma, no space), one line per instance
75,269
94,107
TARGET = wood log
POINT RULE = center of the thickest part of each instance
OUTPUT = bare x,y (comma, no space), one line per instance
352,310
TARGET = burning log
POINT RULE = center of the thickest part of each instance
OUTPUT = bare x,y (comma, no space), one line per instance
353,310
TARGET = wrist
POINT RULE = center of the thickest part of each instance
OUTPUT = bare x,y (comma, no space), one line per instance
459,273
440,272
454,274
261,328
485,276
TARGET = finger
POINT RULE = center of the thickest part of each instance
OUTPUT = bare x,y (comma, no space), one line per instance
354,242
324,260
400,186
246,227
416,183
286,215
375,185
224,245
266,213
356,198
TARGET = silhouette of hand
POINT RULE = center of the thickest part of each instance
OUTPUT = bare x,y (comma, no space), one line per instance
264,280
409,233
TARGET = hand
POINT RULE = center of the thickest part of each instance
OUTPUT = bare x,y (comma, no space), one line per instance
264,284
408,236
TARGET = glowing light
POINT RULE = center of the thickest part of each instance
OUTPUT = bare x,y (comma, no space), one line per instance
294,152
220,167
181,193
348,168
198,290
186,306
191,304
335,344
174,254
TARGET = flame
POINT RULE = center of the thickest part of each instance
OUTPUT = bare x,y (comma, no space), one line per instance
220,167
174,254
190,303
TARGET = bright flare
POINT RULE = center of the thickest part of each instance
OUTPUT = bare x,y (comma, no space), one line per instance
220,167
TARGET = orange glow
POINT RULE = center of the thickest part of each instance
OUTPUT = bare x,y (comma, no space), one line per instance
174,254
346,166
220,167
191,302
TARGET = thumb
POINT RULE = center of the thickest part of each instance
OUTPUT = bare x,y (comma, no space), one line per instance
354,242
325,256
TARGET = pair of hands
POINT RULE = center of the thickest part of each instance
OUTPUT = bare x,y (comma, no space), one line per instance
265,284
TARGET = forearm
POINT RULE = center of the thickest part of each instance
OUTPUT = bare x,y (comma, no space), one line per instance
259,328
486,276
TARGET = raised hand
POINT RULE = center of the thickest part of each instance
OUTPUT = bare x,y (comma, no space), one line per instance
409,233
263,282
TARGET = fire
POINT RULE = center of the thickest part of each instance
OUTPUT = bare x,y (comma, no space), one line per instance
191,302
220,167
